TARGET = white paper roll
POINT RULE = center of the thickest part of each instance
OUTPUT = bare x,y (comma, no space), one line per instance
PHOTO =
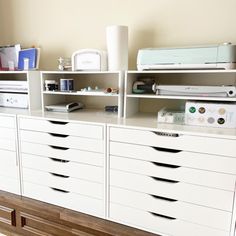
117,47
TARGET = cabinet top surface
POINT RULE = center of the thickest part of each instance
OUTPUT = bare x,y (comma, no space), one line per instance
145,121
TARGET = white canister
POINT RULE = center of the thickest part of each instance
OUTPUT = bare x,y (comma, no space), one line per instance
117,47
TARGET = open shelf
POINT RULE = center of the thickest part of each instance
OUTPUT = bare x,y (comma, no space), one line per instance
30,97
142,109
85,79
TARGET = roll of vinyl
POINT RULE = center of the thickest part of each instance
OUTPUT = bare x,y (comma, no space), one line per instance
117,47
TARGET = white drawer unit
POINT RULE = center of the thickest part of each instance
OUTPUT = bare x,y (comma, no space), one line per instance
65,127
170,183
92,158
195,194
175,141
9,168
8,138
63,167
175,157
7,121
61,140
65,182
161,225
10,184
175,173
65,199
173,208
63,163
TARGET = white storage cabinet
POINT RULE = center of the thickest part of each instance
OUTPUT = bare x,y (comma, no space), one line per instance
63,163
172,183
9,168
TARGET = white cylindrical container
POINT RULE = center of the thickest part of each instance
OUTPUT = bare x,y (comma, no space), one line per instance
117,47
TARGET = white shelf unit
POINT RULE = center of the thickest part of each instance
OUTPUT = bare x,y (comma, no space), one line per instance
33,82
136,104
91,99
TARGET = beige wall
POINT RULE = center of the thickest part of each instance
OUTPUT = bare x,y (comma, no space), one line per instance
60,27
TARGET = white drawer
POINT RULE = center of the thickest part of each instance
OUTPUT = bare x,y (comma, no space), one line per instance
10,185
176,209
160,225
172,157
7,121
8,144
62,127
177,173
10,171
63,167
7,133
63,182
185,142
70,154
7,158
219,199
65,199
62,141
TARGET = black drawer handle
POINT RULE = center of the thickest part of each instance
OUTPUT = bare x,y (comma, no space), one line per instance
165,165
58,122
58,135
163,198
59,190
59,148
162,216
166,150
165,180
58,175
59,160
173,135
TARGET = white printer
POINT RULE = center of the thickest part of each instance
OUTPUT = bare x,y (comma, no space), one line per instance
222,56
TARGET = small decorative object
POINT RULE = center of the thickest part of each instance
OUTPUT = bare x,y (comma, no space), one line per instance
111,108
64,63
51,85
66,85
111,90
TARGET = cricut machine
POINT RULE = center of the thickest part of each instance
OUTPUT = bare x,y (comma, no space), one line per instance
222,56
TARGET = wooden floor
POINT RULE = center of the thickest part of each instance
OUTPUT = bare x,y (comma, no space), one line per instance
4,233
